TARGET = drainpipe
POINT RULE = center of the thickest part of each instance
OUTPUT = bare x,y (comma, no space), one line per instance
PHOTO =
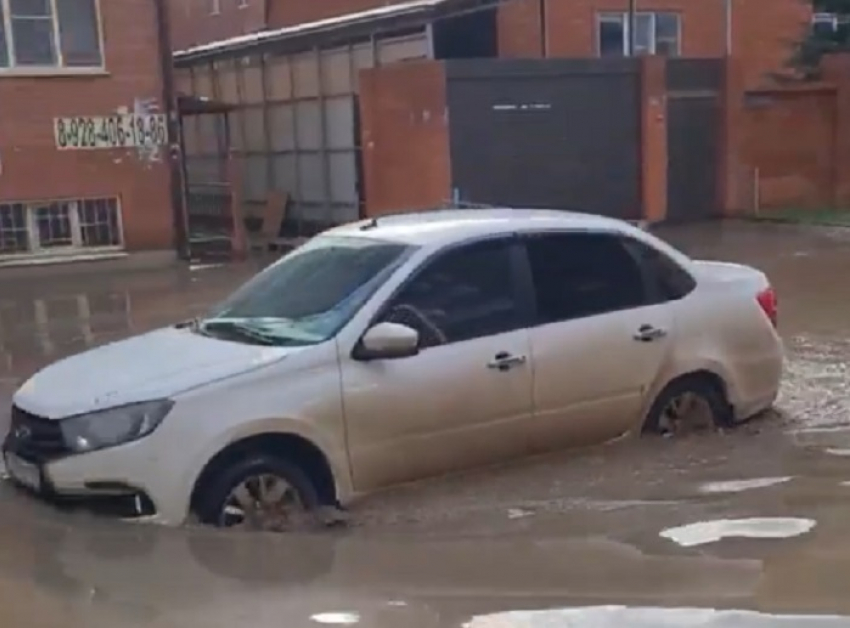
172,116
544,30
727,18
632,28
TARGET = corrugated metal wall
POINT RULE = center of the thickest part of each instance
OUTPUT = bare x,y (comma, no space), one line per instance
294,127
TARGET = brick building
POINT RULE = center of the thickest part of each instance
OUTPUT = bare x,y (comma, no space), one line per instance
557,28
84,167
338,107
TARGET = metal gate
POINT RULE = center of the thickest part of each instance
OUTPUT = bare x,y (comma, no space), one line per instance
555,133
693,134
207,178
293,123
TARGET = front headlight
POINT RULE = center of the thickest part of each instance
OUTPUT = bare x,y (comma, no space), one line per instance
116,426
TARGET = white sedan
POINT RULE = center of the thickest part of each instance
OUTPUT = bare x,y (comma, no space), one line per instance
395,349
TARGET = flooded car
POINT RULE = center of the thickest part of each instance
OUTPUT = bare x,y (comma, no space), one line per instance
396,349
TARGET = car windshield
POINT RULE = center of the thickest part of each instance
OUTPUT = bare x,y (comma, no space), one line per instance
307,296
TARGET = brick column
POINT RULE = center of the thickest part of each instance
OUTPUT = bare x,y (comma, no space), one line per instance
731,128
519,29
836,69
653,138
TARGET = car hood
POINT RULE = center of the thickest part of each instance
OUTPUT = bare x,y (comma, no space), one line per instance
154,365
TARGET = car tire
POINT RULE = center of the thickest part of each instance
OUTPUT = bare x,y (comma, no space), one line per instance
217,492
703,392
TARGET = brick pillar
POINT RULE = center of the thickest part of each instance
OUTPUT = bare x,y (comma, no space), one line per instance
731,174
404,131
519,29
653,138
836,69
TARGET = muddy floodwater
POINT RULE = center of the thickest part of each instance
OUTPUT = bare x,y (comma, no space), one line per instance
749,528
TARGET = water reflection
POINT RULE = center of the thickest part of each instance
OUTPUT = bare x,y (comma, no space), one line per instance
45,319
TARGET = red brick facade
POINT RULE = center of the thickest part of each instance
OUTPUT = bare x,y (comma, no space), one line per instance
760,36
200,21
33,169
403,106
808,167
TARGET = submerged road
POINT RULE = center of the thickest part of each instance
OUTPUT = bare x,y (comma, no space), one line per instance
746,529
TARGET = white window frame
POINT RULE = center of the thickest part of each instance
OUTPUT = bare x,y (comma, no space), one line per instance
76,247
825,18
59,68
833,19
623,19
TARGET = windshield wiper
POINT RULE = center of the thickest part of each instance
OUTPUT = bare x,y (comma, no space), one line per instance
239,330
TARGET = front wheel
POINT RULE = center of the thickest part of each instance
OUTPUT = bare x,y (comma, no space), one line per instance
259,492
689,404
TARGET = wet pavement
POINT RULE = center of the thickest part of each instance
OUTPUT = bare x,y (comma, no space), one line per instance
749,528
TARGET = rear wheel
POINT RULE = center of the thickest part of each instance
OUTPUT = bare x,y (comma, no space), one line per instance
258,492
689,404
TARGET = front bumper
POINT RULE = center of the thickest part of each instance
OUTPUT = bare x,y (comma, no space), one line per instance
112,499
128,481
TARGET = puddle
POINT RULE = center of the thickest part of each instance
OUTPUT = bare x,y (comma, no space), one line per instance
200,267
336,619
738,486
624,617
758,528
838,452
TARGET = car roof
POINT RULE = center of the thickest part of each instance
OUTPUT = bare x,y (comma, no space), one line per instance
440,227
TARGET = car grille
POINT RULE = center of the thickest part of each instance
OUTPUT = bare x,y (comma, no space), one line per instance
34,438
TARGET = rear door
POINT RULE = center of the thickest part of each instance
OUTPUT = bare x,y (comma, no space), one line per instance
600,338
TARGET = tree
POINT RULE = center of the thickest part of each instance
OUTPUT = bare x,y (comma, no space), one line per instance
829,34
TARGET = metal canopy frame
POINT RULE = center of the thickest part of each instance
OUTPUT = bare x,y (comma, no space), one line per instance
333,32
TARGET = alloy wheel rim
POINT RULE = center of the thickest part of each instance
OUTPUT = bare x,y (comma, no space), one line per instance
686,412
262,502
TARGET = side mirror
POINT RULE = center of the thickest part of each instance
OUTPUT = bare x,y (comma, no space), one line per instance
388,341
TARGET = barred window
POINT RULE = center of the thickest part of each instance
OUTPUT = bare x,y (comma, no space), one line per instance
57,226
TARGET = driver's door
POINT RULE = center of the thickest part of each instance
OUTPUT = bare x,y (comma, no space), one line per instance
465,399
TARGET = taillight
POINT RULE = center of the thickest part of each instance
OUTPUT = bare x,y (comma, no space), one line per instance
768,302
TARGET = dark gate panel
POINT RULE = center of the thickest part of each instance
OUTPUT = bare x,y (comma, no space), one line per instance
546,133
692,155
693,138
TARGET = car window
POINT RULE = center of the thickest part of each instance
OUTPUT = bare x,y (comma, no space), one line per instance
667,280
463,294
582,274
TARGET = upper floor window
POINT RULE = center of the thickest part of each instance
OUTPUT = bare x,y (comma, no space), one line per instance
655,33
50,34
828,23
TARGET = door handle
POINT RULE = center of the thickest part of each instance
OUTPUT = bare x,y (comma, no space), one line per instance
648,333
505,361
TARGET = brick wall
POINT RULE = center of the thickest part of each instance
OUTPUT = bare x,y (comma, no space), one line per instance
288,12
794,143
760,37
33,168
192,21
404,137
793,168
